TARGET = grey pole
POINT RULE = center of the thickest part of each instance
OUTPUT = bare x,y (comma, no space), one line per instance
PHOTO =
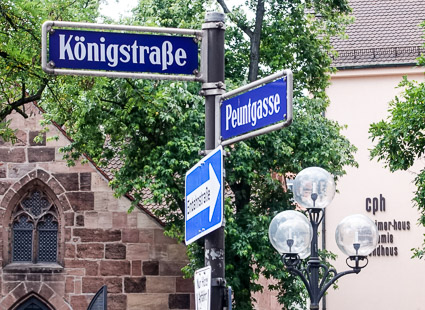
213,73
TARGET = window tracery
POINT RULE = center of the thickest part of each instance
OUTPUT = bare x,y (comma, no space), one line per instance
35,230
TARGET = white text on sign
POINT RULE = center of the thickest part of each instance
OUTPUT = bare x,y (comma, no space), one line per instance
203,288
204,196
101,51
252,111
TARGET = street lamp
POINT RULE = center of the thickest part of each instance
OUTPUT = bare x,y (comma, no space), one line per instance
293,235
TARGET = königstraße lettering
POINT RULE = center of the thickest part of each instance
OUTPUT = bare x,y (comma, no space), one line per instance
123,52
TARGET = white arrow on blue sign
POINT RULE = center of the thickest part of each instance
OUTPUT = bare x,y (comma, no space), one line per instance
204,196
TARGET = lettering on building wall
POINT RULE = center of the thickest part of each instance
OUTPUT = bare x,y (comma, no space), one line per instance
374,204
388,230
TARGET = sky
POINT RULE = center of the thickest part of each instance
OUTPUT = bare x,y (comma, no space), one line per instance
116,8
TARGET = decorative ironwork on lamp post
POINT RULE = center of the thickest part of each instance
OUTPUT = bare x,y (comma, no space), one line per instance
292,235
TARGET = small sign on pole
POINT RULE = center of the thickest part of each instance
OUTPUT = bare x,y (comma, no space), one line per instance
203,288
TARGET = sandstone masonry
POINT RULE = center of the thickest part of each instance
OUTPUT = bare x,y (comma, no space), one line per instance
100,243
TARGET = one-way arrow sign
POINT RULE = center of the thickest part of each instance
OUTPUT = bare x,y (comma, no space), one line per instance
204,196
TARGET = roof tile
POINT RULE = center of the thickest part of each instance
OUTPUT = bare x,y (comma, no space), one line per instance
385,32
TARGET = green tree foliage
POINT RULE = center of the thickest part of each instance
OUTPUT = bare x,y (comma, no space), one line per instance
281,34
400,139
21,77
156,128
264,36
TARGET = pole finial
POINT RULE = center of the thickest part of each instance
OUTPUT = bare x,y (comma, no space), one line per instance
215,17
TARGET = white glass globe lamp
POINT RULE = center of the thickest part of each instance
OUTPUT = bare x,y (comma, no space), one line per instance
290,232
314,187
356,235
306,253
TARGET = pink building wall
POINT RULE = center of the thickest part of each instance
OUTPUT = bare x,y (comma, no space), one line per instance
390,282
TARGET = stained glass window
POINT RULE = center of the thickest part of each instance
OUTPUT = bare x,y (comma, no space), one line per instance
35,230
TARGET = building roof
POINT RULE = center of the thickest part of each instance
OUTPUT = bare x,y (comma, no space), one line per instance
384,33
108,173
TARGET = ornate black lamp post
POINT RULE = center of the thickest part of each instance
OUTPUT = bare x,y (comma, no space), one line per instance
294,236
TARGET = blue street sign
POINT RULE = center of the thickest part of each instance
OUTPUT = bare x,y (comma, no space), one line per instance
204,196
257,108
123,52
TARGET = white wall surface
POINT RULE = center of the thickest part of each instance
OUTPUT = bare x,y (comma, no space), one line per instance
358,98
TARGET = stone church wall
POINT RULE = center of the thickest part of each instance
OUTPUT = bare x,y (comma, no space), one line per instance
99,242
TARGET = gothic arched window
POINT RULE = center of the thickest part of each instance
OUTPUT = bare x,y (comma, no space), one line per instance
32,303
35,230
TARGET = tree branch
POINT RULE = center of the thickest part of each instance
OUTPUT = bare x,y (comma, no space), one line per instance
112,101
19,65
134,87
16,26
255,42
25,115
23,90
237,21
15,105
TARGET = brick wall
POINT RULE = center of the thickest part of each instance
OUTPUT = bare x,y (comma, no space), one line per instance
100,242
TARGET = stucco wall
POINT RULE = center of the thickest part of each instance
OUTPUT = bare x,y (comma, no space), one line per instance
100,242
394,281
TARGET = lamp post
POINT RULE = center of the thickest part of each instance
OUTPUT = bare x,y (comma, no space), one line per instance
291,234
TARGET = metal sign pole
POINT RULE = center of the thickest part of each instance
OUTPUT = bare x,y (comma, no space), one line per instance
71,47
213,71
